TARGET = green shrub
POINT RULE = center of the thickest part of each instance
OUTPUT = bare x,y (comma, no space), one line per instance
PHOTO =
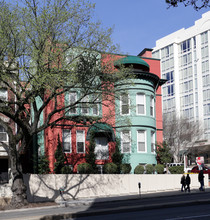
117,156
90,156
43,165
84,168
176,169
110,168
125,168
59,158
149,169
159,168
139,169
66,170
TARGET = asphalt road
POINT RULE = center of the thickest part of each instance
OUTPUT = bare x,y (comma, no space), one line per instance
195,212
136,207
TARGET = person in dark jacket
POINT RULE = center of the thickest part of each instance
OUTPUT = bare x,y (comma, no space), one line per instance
201,180
183,182
188,181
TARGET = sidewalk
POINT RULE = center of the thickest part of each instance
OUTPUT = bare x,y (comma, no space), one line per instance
100,206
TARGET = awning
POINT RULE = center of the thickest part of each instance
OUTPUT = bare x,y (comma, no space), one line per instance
101,129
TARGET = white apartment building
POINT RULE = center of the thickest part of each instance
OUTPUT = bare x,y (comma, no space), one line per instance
184,58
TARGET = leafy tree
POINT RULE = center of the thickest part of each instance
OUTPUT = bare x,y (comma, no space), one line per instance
90,155
46,50
117,156
197,4
164,155
43,165
59,158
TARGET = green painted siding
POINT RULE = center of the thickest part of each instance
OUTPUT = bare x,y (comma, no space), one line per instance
134,122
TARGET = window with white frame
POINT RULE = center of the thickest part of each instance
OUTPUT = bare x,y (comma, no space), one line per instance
141,141
3,134
156,54
152,106
85,105
204,52
206,95
95,109
3,94
72,100
152,141
206,80
101,148
185,46
204,38
205,66
80,139
167,51
207,123
95,105
67,141
126,141
207,109
186,73
140,104
124,102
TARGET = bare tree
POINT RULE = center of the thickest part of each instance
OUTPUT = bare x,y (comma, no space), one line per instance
180,134
196,4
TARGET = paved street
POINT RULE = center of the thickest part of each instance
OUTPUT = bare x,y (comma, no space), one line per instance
176,213
164,202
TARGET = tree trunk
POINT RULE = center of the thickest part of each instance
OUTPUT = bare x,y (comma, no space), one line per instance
19,196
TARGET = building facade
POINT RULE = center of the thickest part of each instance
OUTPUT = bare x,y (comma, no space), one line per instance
184,57
135,119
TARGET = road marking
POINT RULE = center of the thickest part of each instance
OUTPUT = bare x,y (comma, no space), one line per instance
188,217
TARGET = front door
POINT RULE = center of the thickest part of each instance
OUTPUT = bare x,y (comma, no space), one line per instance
101,148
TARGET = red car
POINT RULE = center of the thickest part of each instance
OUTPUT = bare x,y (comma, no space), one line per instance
206,170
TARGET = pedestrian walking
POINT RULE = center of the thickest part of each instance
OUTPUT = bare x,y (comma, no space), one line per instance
201,180
188,181
183,182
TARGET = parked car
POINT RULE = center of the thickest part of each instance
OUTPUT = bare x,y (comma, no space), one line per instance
175,164
206,170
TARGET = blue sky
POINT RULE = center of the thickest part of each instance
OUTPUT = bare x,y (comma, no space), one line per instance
139,23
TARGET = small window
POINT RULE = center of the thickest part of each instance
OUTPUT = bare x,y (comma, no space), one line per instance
124,104
141,140
152,106
125,141
3,134
152,141
95,105
85,105
3,95
67,141
72,100
140,103
80,137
